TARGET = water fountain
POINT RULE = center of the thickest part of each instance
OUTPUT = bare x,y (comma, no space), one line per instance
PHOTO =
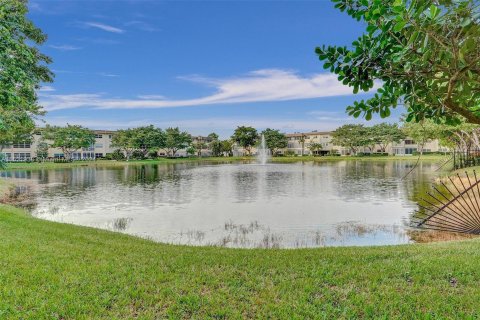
263,152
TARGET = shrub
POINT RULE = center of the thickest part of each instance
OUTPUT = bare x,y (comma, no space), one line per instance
62,160
115,155
137,155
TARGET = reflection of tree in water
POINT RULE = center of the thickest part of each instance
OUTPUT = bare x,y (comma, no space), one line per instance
246,185
382,180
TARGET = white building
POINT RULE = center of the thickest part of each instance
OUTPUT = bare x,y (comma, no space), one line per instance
23,151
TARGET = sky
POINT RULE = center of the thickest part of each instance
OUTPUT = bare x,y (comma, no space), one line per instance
204,66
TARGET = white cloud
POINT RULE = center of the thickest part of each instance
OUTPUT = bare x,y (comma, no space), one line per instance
141,25
65,47
106,74
104,27
257,86
151,97
46,89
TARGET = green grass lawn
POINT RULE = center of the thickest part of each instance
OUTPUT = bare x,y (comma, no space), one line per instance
51,165
57,271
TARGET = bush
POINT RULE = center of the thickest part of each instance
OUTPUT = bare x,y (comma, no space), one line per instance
429,152
3,161
62,160
152,154
290,153
115,155
137,155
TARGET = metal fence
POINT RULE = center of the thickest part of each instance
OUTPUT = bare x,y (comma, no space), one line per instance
466,158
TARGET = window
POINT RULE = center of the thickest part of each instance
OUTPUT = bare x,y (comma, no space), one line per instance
409,142
58,156
21,156
21,145
99,145
91,148
98,155
109,136
8,156
410,150
88,155
98,136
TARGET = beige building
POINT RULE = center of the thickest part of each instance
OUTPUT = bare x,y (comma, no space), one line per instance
299,143
402,148
23,151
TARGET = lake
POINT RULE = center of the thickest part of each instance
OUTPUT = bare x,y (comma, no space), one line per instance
247,205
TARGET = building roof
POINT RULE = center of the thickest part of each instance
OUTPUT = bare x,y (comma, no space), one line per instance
313,133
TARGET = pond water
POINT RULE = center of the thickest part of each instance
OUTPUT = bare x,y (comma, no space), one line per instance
302,204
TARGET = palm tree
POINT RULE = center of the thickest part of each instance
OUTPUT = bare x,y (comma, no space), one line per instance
302,141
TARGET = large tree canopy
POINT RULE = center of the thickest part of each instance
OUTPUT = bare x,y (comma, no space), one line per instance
351,136
275,140
423,53
22,69
70,138
246,137
176,140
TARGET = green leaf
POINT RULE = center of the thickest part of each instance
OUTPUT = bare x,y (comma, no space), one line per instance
399,26
434,11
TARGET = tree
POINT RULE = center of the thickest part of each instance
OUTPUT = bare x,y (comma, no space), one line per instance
125,141
214,144
141,140
315,147
246,137
384,134
42,150
191,150
69,139
3,161
351,136
423,54
302,142
227,148
213,136
147,139
459,137
275,140
198,145
176,140
216,147
22,69
421,132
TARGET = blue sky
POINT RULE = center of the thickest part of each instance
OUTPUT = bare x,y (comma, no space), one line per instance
201,65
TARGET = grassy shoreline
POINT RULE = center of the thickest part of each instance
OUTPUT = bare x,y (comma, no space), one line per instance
113,163
52,270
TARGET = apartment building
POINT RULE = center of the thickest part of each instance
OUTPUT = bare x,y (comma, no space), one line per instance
299,143
24,151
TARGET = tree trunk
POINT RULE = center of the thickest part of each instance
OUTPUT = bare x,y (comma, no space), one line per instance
471,117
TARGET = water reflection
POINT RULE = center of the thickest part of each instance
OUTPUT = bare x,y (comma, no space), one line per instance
237,205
